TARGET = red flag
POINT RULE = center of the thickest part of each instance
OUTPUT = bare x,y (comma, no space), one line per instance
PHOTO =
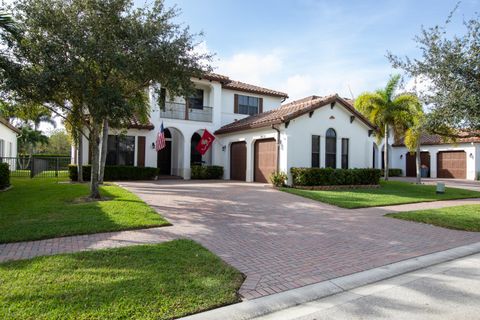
205,142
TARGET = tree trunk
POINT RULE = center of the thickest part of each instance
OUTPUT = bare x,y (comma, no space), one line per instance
80,157
103,158
418,161
95,144
385,156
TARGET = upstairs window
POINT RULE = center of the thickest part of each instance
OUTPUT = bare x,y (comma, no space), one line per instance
195,101
331,149
315,151
248,105
162,99
121,150
344,153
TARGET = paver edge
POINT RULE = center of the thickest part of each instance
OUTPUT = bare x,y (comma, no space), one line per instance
276,302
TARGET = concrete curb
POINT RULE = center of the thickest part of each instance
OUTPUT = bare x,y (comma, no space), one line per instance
264,305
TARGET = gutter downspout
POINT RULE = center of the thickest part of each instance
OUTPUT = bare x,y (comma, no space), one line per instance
278,147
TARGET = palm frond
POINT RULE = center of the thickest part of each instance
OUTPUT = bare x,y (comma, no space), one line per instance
392,85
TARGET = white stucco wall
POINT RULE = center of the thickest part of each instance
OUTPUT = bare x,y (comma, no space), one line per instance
9,138
299,138
471,149
228,116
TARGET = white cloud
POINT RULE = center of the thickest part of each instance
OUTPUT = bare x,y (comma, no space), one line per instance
251,67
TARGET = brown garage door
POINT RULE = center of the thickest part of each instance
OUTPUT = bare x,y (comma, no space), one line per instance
265,159
411,165
452,164
238,161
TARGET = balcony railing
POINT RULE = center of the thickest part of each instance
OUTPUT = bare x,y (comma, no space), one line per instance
173,110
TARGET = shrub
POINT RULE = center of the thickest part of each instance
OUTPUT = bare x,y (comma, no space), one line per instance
114,173
278,178
393,172
206,172
4,176
332,177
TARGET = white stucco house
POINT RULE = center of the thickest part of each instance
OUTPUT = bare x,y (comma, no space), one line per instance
255,133
460,160
8,139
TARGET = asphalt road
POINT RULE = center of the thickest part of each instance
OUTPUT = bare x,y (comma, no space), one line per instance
449,290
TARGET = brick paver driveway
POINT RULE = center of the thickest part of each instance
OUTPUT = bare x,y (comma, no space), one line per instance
281,241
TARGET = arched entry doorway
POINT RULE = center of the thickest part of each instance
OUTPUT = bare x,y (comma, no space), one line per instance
170,158
195,156
164,156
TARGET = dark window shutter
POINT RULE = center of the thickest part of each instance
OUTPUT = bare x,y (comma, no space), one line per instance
141,152
260,105
235,103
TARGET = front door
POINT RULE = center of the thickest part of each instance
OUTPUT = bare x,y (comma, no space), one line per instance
164,159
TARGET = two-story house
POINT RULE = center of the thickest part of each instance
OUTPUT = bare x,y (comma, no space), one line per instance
255,134
217,101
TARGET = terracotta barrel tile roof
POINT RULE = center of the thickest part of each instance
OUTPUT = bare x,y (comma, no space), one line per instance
245,87
288,112
135,123
228,83
435,139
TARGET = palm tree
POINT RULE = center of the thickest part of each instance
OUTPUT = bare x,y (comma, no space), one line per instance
389,111
413,134
7,23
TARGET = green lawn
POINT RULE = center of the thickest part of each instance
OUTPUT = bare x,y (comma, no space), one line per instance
390,193
162,281
42,208
460,217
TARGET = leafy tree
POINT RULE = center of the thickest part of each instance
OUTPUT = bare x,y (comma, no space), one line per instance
29,139
7,24
58,143
388,111
449,69
91,60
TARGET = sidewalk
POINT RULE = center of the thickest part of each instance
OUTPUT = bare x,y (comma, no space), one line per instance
446,291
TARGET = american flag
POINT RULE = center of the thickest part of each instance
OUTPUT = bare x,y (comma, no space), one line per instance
160,139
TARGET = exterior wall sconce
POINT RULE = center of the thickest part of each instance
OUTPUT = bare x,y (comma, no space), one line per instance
153,145
224,148
471,155
401,156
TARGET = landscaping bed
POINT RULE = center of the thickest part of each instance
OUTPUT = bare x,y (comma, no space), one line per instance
390,193
42,208
162,281
465,217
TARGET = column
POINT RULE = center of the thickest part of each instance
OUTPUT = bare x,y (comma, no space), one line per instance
186,157
339,152
250,164
322,151
433,164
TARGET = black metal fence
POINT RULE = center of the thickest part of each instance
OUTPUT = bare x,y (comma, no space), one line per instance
37,166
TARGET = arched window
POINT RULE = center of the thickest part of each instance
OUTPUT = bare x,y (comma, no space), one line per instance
331,149
195,156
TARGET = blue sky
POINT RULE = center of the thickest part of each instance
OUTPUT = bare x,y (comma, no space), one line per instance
309,47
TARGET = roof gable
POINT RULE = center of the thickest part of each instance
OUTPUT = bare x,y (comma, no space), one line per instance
288,112
9,126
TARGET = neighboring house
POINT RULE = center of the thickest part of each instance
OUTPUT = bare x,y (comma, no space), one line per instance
8,139
458,160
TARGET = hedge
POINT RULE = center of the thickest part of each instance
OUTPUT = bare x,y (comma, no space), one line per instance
4,176
333,177
393,172
207,172
113,173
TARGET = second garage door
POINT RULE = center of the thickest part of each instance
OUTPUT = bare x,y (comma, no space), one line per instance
265,159
452,164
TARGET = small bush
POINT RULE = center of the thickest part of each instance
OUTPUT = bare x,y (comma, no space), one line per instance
206,172
393,172
115,173
333,177
4,176
278,178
